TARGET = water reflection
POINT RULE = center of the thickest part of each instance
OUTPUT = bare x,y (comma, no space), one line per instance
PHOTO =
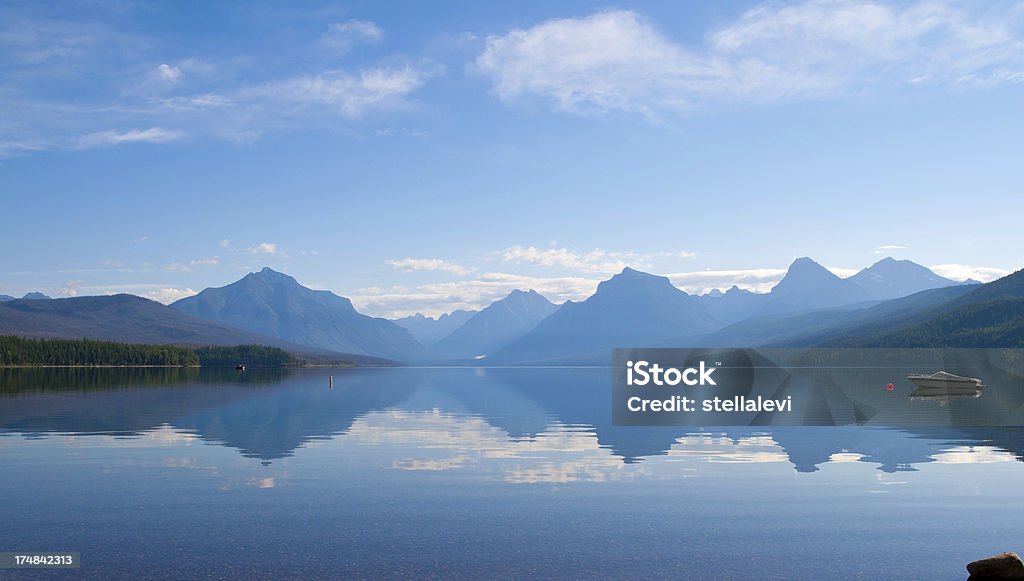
517,425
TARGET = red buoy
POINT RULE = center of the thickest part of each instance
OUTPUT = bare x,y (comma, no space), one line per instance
889,387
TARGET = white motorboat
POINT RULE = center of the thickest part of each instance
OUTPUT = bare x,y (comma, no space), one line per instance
947,381
944,387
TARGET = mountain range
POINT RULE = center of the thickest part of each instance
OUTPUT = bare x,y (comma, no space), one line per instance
891,279
275,304
430,330
501,323
891,303
124,318
630,307
28,297
808,286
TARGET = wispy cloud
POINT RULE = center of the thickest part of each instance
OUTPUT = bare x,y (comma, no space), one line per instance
476,293
108,138
71,288
192,264
597,260
401,131
703,281
160,292
344,93
430,264
582,273
961,272
619,61
886,248
168,295
52,41
266,248
168,73
237,98
195,103
341,36
759,280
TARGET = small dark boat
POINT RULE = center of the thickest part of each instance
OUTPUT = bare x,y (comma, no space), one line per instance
240,367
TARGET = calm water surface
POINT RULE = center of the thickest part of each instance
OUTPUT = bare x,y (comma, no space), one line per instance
473,473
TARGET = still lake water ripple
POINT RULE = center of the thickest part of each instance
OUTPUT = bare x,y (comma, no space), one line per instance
473,473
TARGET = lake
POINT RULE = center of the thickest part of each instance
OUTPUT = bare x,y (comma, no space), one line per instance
461,472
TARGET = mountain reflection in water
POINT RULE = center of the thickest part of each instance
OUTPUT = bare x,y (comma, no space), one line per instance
519,425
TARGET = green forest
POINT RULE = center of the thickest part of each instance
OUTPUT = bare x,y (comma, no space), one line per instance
990,324
21,351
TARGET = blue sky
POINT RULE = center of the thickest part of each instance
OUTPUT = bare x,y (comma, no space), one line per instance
431,156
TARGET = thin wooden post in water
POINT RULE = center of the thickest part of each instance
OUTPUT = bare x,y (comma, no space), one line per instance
330,381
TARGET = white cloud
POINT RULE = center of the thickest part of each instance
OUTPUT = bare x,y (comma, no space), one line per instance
341,36
886,248
160,292
843,272
597,260
429,264
346,94
108,138
607,61
225,243
193,103
192,264
230,97
753,279
168,73
961,272
556,257
618,61
758,280
168,295
13,148
401,131
71,288
266,248
477,293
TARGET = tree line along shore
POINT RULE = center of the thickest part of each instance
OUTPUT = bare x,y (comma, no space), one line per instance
28,352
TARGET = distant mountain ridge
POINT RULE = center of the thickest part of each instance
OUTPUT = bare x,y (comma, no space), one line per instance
494,327
123,318
275,304
890,303
813,328
632,308
802,308
428,330
733,305
808,285
33,296
891,279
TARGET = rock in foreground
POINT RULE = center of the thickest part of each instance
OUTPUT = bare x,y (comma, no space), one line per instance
1001,566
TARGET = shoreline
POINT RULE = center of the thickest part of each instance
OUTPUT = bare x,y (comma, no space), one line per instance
88,366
